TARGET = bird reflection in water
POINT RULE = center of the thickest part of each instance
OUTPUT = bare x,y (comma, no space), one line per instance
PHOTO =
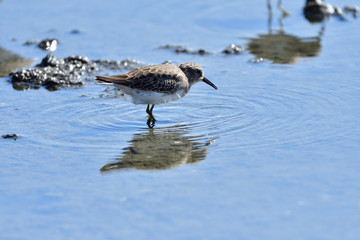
161,148
283,48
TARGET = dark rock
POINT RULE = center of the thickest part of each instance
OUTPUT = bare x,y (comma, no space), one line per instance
48,44
233,49
181,49
338,11
30,42
53,73
11,136
126,64
256,60
75,31
317,11
202,52
51,61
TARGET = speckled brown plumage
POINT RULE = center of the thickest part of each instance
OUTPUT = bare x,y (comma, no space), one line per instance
164,78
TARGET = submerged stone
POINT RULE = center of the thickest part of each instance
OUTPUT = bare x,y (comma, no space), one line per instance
181,49
256,60
233,49
30,42
11,136
75,31
125,64
318,11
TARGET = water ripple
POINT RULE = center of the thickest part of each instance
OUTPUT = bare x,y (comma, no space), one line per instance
86,123
270,116
273,117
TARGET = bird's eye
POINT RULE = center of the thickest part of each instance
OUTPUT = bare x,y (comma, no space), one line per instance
198,71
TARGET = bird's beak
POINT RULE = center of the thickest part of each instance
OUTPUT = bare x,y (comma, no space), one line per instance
208,82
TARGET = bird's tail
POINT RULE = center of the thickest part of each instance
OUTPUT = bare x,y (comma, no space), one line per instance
103,80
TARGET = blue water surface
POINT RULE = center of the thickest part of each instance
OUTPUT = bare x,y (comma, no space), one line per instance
273,154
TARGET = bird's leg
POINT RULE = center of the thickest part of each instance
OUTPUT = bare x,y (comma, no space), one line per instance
149,111
151,120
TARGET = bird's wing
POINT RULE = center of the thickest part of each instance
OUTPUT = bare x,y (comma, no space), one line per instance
158,78
156,83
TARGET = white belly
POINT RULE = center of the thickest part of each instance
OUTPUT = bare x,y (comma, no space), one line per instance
149,97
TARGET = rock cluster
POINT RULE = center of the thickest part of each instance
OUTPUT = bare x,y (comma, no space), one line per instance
54,73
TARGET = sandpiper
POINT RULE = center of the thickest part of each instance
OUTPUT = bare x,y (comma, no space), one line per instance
156,84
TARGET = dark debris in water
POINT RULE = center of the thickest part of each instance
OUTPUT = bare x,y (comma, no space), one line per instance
318,11
75,31
11,136
256,60
126,64
30,42
54,73
233,49
181,49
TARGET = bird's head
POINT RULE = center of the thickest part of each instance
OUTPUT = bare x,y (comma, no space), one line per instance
195,73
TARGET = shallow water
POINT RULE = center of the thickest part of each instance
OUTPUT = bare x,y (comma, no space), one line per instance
273,154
